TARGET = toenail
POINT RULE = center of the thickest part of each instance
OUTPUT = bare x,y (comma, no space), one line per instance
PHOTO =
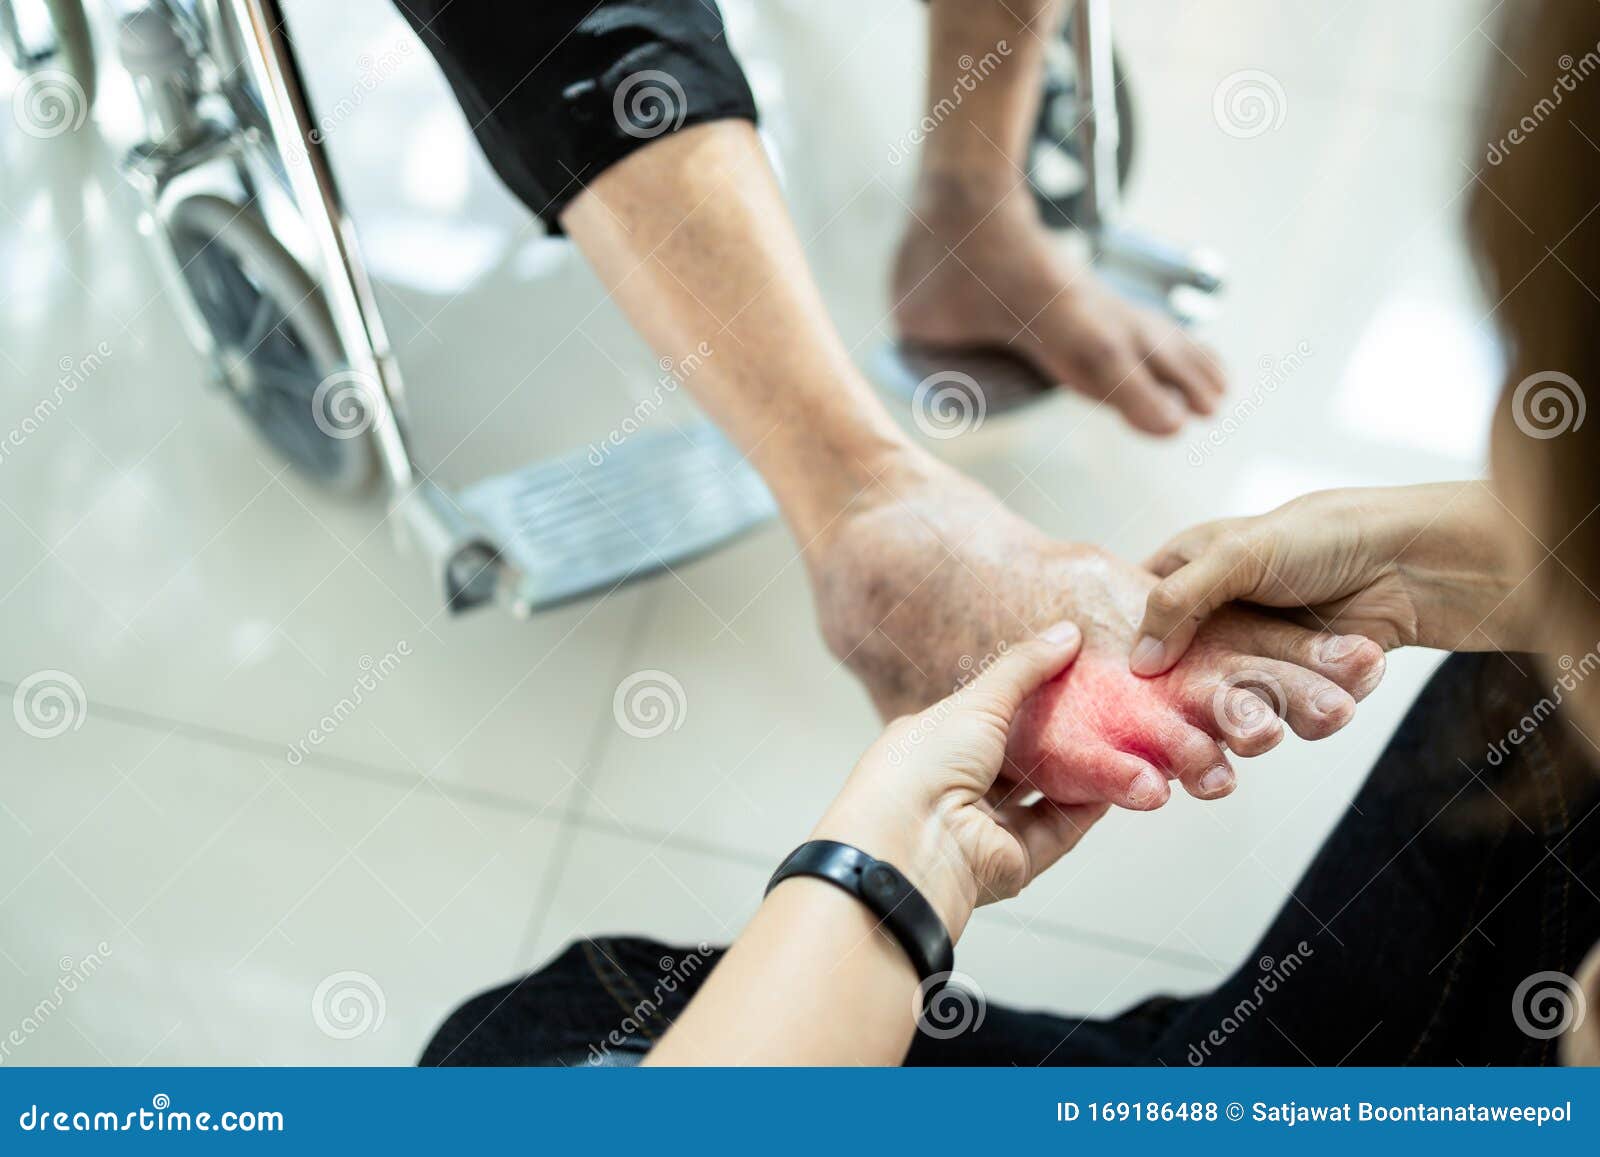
1330,702
1146,786
1338,647
1218,780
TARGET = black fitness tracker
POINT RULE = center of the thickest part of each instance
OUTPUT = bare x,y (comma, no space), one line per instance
901,909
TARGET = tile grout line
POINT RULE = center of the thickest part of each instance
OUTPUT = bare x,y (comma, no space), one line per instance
600,733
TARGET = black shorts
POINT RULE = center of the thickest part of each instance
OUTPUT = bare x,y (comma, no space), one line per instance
559,90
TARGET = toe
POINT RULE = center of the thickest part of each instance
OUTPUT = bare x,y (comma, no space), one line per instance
1147,404
1229,709
1181,376
1313,707
1200,764
1353,662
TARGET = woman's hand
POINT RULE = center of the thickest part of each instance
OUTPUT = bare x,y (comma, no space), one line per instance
924,797
1404,565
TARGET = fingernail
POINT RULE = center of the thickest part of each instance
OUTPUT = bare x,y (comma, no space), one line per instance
1148,656
1218,780
1062,632
1331,702
1336,648
1146,786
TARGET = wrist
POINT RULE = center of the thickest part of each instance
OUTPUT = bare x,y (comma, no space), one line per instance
916,841
1452,555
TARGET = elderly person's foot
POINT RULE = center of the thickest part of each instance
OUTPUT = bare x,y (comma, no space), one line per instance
977,270
928,577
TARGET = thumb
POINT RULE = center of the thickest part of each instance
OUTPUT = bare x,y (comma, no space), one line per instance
1026,667
1179,603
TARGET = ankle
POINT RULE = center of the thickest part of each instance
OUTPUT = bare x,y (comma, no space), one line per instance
957,200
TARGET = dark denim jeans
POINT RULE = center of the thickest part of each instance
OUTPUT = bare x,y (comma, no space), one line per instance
1455,876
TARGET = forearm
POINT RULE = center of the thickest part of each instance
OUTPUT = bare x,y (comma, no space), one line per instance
810,981
813,980
692,239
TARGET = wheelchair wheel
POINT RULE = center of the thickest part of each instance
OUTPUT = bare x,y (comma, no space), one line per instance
1057,177
276,349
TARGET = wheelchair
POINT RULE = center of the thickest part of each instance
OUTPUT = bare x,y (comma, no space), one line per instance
264,266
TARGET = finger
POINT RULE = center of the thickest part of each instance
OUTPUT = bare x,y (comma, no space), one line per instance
1184,547
1022,670
1180,602
1354,662
1046,829
1209,365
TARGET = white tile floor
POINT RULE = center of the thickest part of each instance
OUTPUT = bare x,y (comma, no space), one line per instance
482,806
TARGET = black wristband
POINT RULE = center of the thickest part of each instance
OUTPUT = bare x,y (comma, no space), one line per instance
901,909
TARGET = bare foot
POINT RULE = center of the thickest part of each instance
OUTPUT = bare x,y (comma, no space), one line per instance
928,579
976,272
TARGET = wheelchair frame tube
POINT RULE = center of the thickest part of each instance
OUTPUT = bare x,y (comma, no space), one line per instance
1098,131
343,274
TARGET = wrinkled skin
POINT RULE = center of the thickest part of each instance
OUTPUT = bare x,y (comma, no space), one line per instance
918,589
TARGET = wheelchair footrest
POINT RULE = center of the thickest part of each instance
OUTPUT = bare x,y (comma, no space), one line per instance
591,520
